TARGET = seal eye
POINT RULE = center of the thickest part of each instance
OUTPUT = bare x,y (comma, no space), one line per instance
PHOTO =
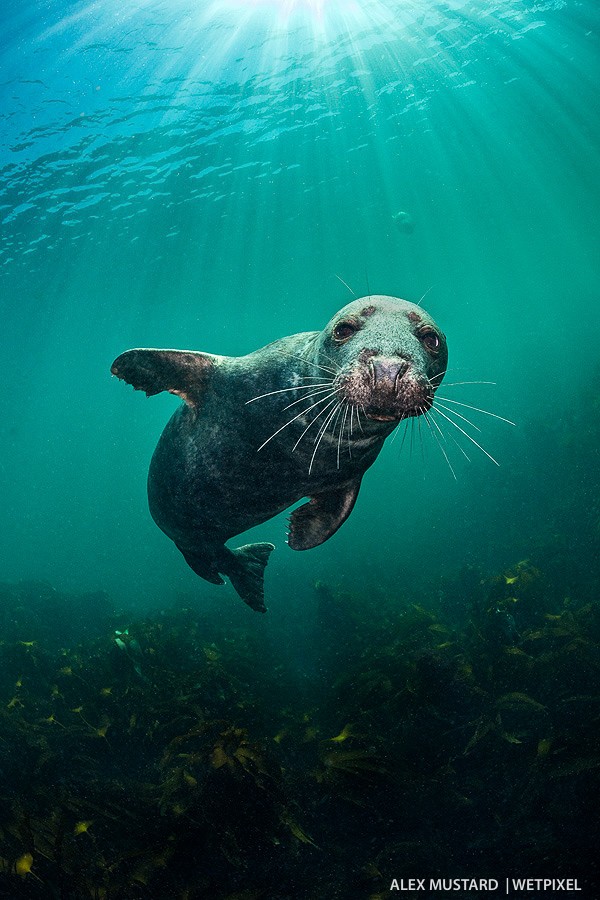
430,341
344,330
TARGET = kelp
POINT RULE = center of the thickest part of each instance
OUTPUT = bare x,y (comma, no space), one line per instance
173,755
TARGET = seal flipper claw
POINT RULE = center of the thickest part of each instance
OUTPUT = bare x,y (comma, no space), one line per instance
247,573
180,372
316,521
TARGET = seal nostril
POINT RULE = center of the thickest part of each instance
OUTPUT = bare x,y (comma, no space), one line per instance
372,374
402,369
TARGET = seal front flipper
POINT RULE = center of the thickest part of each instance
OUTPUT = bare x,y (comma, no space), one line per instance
180,372
315,522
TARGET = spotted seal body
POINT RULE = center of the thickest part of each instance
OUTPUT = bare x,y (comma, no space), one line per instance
304,416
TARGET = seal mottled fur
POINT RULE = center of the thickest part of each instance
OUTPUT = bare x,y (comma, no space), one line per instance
304,416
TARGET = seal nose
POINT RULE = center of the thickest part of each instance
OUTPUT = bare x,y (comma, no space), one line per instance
386,374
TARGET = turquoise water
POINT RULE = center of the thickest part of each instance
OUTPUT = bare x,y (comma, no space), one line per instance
216,175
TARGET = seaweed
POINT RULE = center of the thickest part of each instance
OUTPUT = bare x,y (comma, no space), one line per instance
174,755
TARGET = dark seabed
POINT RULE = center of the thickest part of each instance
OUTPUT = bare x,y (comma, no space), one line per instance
421,700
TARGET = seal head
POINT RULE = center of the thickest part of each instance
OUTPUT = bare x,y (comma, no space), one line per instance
390,356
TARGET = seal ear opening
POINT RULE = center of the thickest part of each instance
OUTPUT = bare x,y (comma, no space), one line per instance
180,372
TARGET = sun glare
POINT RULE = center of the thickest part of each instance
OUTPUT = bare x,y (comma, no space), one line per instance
319,13
286,8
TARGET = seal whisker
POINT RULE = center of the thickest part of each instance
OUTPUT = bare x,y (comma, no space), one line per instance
437,426
296,387
309,361
453,439
458,415
337,419
435,284
432,423
462,431
320,436
358,417
404,435
312,422
296,417
397,431
342,426
462,449
333,427
455,383
421,438
325,422
439,443
309,396
339,278
330,360
485,412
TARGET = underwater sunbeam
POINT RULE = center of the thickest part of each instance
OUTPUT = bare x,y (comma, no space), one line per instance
324,16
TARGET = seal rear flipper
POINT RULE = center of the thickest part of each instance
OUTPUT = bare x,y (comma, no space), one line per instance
246,573
180,372
316,521
201,567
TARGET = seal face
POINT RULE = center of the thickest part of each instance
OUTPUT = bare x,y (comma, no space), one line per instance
305,416
391,357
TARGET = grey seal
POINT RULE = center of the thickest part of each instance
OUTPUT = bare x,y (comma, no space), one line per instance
304,416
